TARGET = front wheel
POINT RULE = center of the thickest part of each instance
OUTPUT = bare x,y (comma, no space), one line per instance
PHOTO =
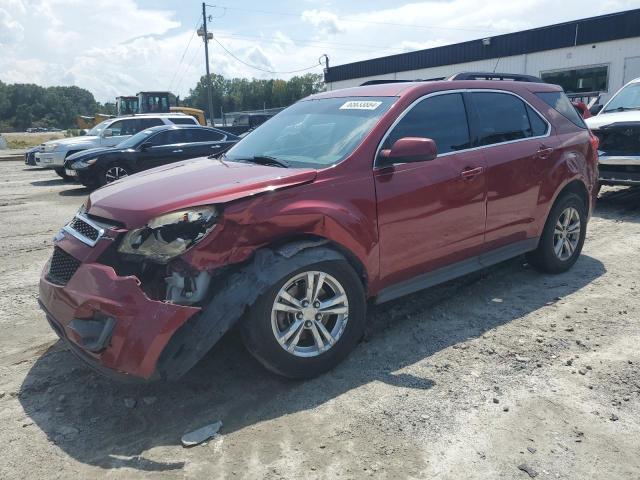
563,236
113,172
308,321
61,173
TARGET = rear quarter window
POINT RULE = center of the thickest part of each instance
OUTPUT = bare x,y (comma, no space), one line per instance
561,104
183,121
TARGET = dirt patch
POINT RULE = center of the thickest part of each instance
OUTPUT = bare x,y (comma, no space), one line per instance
28,140
495,375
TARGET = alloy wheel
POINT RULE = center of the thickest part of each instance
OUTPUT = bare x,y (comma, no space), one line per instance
115,173
309,314
566,234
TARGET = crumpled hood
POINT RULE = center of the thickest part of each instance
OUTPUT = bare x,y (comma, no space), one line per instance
137,199
614,117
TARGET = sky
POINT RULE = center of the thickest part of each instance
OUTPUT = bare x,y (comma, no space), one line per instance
120,48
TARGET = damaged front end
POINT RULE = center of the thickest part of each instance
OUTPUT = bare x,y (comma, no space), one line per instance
117,296
619,153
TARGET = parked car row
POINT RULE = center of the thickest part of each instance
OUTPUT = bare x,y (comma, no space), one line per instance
109,133
346,198
147,149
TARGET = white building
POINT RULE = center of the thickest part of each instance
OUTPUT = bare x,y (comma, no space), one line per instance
588,56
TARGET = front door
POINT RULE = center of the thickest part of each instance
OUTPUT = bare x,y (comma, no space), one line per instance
431,214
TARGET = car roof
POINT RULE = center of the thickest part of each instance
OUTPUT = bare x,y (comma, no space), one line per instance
411,88
159,128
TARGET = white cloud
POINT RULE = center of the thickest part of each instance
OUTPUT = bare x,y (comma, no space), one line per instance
326,22
11,31
116,48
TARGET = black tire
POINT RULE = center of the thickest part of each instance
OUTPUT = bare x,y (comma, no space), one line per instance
105,176
62,174
259,338
544,258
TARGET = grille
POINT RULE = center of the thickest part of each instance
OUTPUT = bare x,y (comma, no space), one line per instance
84,228
62,268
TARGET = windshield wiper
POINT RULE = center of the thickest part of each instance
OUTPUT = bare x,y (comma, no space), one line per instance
264,160
621,109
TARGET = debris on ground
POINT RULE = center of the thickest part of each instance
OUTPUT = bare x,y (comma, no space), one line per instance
201,434
528,470
130,402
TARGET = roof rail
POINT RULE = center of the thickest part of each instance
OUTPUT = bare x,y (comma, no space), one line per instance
515,77
383,82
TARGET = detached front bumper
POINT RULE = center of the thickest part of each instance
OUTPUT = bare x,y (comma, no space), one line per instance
619,169
107,319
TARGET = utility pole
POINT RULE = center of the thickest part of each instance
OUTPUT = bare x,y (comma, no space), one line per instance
206,36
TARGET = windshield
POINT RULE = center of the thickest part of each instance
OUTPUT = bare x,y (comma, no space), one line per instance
314,133
135,140
626,99
97,130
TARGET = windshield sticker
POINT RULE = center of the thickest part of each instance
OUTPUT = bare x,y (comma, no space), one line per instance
360,105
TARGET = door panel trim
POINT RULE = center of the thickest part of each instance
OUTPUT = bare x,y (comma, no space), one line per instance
455,270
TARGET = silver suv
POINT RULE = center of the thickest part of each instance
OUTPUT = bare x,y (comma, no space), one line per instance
109,133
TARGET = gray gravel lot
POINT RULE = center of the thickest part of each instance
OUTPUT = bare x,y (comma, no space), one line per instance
505,374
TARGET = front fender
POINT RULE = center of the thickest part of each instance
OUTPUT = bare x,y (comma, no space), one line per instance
232,296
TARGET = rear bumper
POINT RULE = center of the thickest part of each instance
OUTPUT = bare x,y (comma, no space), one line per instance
95,300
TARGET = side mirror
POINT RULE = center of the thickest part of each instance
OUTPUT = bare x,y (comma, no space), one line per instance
596,109
410,149
107,132
145,146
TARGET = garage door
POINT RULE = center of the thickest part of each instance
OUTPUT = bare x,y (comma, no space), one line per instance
631,68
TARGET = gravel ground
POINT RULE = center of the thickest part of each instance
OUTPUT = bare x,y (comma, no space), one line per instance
506,374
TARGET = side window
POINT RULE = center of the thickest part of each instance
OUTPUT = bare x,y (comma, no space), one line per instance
501,118
183,121
442,118
144,123
168,137
561,104
538,125
205,135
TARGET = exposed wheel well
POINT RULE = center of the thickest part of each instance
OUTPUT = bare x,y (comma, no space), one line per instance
577,187
353,260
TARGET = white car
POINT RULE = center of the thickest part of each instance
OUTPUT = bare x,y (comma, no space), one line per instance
109,133
617,126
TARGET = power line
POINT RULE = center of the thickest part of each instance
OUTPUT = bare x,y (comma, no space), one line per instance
346,19
193,33
231,54
184,72
324,44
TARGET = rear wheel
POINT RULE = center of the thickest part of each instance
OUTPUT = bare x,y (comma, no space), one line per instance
563,235
113,172
308,321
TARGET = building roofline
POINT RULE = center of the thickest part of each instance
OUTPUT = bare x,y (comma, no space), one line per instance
603,28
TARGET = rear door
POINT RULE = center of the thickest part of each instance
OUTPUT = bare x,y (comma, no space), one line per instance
515,143
206,142
431,214
166,147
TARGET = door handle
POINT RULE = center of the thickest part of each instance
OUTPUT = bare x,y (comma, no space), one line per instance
544,152
177,151
471,173
215,146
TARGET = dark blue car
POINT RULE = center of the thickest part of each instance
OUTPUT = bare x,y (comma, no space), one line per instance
147,149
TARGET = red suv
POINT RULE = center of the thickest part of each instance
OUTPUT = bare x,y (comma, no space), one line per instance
347,197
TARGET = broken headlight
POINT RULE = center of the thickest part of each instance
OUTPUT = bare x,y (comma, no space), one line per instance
169,235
